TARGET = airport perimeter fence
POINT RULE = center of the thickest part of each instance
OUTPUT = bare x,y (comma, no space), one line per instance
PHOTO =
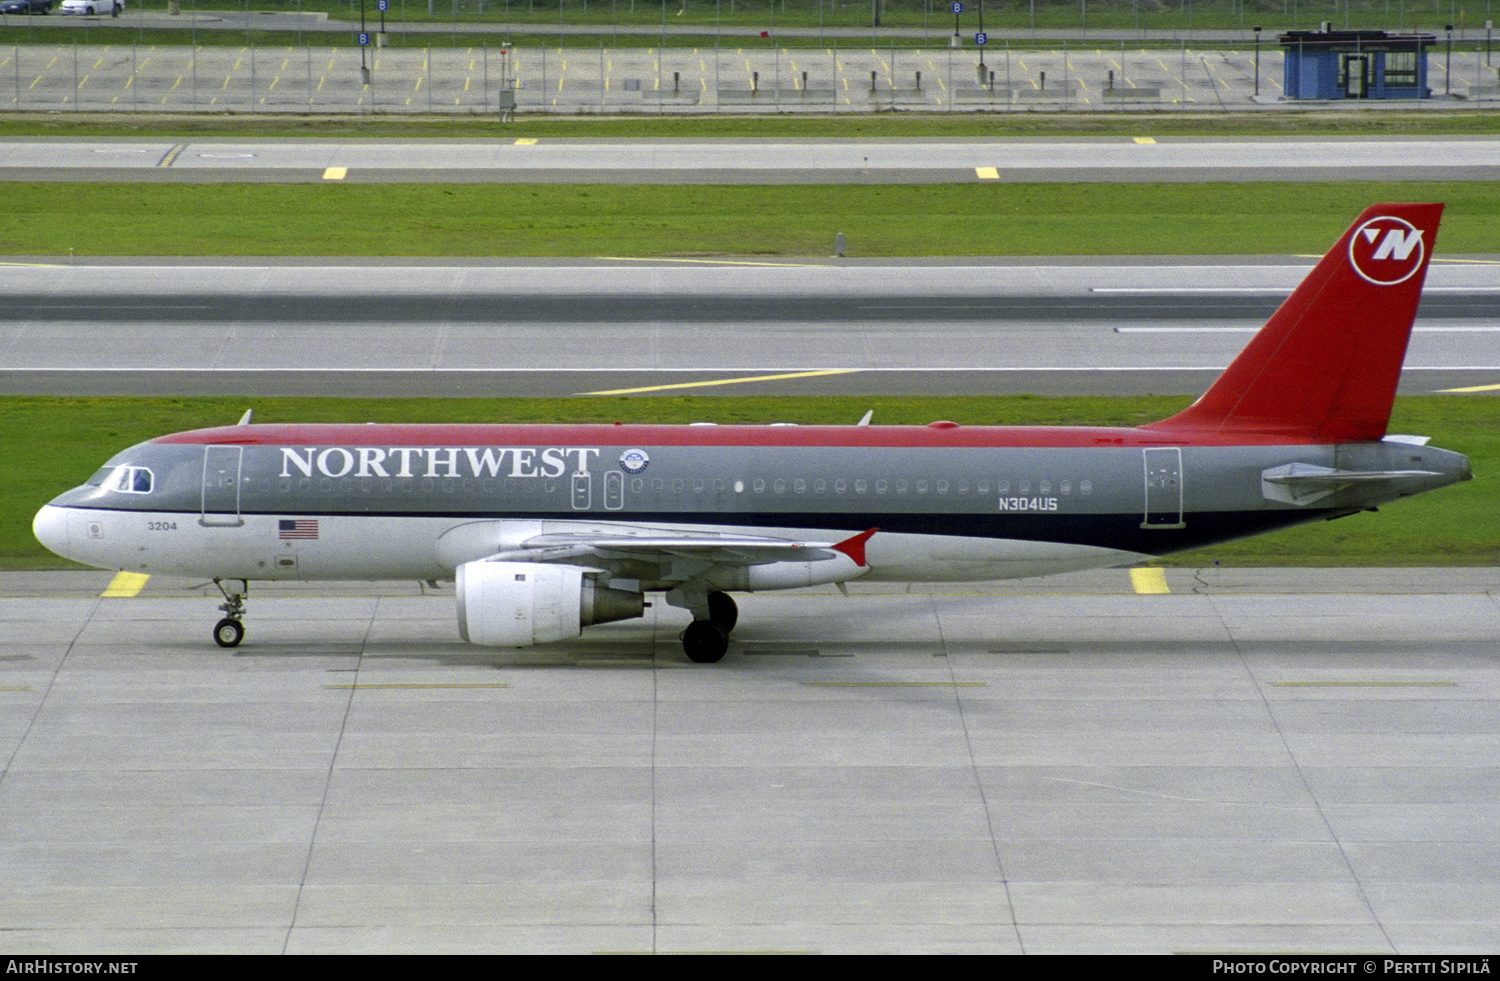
592,80
470,56
787,22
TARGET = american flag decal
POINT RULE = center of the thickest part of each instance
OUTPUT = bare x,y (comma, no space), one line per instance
297,528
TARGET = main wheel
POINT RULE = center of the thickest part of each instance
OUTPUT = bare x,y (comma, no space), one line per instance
229,633
723,611
705,641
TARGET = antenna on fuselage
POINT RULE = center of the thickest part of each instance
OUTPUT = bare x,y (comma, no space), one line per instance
864,420
245,419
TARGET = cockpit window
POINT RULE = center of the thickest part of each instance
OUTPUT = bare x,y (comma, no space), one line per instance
130,480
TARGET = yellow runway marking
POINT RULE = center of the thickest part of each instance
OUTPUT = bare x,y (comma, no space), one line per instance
1364,684
987,173
725,381
895,684
125,585
1143,140
1149,581
493,684
1471,388
335,173
710,262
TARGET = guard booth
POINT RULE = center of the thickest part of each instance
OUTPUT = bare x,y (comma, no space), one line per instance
1355,64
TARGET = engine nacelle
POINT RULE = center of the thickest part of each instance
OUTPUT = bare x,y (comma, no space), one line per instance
517,604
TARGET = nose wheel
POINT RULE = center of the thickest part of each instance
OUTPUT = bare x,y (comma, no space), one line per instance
229,631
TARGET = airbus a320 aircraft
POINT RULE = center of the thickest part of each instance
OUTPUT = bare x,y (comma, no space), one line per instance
548,529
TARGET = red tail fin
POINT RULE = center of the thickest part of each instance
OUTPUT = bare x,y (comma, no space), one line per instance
1327,362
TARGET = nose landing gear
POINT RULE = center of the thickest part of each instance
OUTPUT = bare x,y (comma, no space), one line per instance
229,631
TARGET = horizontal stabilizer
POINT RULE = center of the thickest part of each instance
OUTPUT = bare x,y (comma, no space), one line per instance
1303,483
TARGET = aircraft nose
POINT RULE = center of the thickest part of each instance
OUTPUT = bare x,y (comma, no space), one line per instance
50,526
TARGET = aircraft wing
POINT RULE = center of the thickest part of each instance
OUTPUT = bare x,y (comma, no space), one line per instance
671,556
718,548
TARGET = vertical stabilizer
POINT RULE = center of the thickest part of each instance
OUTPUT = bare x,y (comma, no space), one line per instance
1326,364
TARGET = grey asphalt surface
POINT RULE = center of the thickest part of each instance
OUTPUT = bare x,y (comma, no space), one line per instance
1261,761
777,327
758,161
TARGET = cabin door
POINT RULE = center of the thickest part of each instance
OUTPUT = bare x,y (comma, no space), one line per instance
221,485
1163,469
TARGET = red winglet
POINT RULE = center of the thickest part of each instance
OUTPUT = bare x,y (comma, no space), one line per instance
855,547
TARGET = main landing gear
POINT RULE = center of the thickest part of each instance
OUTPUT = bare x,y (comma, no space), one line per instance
229,631
705,640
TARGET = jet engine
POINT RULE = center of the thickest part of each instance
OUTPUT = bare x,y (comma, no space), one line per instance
517,604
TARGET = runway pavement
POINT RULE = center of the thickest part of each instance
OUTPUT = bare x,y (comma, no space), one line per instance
777,327
1259,761
752,161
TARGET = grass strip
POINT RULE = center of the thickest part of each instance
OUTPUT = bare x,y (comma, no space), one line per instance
991,218
52,444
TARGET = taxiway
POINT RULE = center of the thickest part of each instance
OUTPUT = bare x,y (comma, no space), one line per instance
1253,761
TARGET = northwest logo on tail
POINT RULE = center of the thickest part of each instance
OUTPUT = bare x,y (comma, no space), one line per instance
1386,251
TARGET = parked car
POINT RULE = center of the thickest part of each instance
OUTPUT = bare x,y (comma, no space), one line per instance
25,6
93,7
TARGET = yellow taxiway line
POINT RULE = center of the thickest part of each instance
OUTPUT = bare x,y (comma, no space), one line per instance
125,585
1149,580
725,381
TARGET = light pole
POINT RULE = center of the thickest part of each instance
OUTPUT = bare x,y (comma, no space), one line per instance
1448,62
1257,61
